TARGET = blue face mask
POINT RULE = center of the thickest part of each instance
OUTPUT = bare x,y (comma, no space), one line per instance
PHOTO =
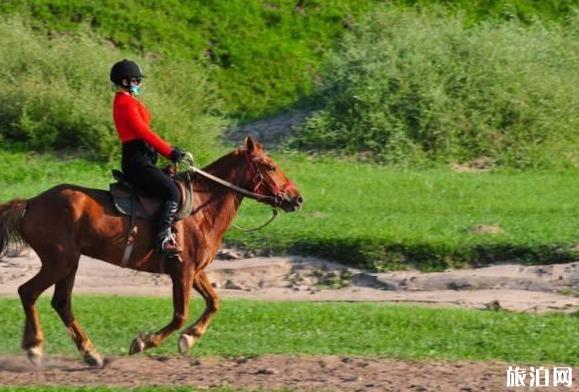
135,90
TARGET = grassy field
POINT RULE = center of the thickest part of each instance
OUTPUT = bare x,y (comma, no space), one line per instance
366,215
366,329
386,218
378,217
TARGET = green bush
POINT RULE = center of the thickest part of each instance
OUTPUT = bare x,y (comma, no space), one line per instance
527,11
264,55
414,87
55,95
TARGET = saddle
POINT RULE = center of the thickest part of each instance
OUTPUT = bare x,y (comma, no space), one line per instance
128,200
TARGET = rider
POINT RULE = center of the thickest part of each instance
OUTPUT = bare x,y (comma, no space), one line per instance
140,147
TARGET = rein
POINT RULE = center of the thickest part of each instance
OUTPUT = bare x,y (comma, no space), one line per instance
189,162
274,213
227,184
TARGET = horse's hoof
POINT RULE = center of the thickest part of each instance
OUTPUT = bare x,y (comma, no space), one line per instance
185,343
35,355
93,359
137,345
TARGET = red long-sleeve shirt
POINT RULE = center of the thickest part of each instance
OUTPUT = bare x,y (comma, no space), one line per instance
133,122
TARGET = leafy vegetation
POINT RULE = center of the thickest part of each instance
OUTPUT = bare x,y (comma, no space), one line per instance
526,11
256,328
264,55
410,87
55,95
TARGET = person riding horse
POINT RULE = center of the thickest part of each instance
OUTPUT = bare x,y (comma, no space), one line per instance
140,145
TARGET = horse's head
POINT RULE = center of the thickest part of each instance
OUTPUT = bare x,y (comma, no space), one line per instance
269,180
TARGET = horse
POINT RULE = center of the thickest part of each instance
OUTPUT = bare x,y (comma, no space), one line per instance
68,221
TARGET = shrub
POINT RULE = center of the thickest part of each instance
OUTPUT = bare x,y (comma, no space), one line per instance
55,94
263,54
410,87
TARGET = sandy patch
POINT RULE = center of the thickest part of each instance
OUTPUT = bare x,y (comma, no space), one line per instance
512,287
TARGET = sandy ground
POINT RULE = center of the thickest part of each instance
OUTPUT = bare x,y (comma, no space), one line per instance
320,373
510,287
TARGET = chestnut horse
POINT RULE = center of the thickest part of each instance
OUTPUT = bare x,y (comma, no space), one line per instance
68,220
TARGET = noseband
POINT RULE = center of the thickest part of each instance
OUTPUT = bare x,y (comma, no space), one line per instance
260,180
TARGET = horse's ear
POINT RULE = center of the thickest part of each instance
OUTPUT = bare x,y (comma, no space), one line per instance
249,144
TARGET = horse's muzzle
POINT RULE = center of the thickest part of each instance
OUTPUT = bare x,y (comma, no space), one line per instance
291,204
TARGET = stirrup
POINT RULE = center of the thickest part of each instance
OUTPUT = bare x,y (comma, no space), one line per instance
169,246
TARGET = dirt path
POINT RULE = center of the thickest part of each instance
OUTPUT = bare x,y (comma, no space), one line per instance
513,287
271,130
296,373
327,373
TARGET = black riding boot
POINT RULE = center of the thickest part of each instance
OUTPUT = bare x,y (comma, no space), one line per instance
166,242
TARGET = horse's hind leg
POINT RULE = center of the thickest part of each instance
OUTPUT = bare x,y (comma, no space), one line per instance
61,302
29,292
192,334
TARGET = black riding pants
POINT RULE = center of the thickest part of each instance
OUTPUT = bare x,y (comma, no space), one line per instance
153,181
139,166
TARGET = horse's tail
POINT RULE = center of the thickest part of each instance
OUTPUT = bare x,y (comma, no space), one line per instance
11,215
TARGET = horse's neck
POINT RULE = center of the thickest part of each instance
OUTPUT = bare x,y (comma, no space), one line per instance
218,204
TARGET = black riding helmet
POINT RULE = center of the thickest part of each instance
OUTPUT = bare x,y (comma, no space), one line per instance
125,69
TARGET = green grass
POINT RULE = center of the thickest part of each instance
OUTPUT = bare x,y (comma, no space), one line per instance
387,219
365,329
404,86
25,175
528,11
376,217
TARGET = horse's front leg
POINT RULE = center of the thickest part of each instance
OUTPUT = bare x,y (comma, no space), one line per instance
182,279
190,335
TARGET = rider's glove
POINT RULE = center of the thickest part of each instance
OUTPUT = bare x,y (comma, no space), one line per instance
177,155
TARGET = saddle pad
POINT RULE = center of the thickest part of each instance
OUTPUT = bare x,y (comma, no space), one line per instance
126,200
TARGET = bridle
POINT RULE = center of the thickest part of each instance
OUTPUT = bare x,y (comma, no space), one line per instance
259,180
